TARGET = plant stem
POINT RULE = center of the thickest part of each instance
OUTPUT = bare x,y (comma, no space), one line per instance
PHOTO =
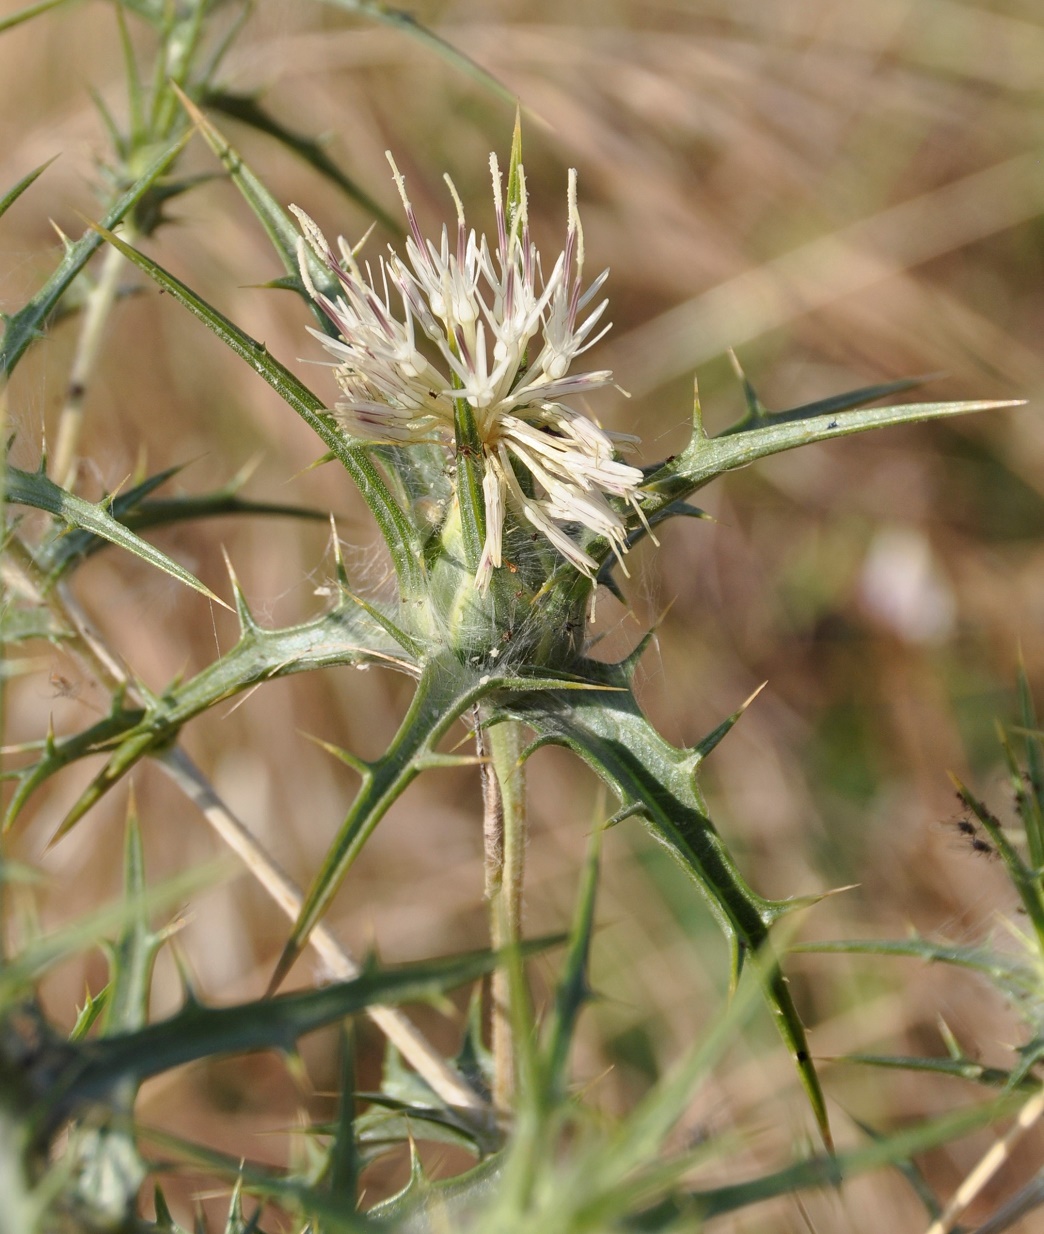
98,658
504,840
100,300
406,1038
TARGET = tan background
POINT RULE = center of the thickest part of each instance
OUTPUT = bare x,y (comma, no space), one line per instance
846,194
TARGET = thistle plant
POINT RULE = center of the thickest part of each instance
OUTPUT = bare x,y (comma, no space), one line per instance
460,406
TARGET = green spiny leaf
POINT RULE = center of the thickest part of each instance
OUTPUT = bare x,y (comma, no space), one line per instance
332,1214
344,1165
37,490
706,458
277,1023
716,735
1008,972
645,772
18,974
898,1147
27,323
444,691
1027,881
27,14
960,1068
279,227
835,403
396,528
404,21
449,1201
572,990
70,549
389,1122
1034,819
133,954
338,638
248,111
92,1009
13,194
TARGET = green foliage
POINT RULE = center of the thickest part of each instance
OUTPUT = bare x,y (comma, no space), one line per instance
21,488
514,653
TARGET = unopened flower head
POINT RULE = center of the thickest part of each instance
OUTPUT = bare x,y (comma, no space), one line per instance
503,336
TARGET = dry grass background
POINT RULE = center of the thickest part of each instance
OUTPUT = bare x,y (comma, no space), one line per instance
846,194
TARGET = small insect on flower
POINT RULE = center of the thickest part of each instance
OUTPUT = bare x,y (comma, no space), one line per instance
502,336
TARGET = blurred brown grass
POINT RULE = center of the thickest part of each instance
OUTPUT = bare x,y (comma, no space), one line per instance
844,193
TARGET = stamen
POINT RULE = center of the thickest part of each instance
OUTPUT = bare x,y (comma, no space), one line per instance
458,292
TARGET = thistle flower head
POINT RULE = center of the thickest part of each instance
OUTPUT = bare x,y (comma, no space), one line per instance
501,335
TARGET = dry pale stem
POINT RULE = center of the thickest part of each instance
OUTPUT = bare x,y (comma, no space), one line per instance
504,837
406,1038
415,1049
988,1165
100,300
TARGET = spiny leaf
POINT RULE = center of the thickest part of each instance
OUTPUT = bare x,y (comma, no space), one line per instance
1027,881
444,691
97,738
400,19
343,1162
716,735
27,323
65,552
706,458
830,1171
390,1121
357,764
248,111
757,412
20,972
1034,818
93,1007
13,194
344,636
960,1068
276,1023
396,528
646,772
133,954
835,403
279,227
29,489
572,990
452,1200
27,14
330,1213
1006,971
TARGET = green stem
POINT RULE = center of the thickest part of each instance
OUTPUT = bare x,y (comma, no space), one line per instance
504,841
